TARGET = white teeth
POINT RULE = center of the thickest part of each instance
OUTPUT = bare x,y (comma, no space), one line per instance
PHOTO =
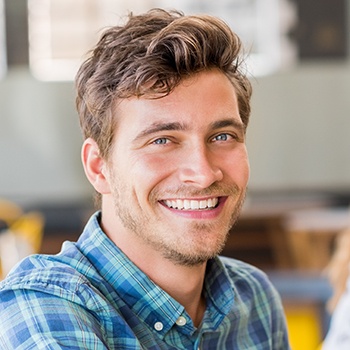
202,204
192,204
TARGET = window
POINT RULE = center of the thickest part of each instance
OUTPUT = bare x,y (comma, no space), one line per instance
62,31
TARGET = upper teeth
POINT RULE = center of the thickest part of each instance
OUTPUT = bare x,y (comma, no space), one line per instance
191,204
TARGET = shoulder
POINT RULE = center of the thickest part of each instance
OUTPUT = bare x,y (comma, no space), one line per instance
45,300
248,279
238,269
51,276
258,300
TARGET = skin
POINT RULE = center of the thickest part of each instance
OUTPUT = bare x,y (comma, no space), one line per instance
167,152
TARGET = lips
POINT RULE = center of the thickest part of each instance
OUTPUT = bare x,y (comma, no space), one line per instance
192,204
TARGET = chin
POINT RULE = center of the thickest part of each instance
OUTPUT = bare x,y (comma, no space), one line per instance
197,256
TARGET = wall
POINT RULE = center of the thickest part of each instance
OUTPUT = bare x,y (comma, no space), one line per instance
39,140
299,135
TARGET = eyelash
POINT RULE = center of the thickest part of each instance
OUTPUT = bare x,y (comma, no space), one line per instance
227,137
165,140
157,141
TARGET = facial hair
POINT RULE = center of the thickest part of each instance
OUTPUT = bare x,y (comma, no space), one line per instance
171,246
194,259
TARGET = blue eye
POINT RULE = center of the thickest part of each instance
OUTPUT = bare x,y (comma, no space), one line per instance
161,141
221,137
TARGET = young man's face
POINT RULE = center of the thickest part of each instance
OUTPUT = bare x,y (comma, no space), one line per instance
178,169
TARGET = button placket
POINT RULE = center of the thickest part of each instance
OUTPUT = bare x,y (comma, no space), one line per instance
158,326
181,321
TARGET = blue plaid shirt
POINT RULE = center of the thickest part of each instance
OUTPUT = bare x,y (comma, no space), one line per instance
90,296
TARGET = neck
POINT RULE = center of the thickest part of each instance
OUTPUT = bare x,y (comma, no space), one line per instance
183,283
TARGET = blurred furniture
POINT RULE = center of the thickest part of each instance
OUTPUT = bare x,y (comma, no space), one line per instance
20,235
310,235
286,232
63,222
9,212
257,238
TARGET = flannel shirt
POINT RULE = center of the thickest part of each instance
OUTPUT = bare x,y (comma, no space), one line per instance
91,296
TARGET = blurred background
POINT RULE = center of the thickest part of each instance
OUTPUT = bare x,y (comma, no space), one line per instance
298,138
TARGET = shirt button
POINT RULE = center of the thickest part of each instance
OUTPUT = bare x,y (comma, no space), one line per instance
181,321
158,326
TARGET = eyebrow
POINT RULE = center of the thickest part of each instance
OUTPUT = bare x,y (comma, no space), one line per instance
176,126
158,126
228,122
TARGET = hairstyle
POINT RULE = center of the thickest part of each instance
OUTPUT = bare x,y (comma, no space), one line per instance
148,57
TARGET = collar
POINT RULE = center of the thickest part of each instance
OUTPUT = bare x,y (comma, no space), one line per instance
149,302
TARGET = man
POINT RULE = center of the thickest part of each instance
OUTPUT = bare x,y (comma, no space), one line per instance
164,108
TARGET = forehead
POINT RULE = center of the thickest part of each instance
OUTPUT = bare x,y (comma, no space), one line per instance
198,101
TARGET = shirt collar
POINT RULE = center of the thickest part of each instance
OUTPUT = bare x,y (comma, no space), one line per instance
140,293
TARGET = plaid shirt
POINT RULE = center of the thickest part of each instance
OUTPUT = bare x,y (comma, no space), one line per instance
90,296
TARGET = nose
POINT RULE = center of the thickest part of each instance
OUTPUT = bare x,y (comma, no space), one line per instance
198,168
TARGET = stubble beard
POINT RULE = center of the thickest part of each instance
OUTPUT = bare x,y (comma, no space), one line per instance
207,252
145,227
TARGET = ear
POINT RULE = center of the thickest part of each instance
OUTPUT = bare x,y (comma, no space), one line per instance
95,166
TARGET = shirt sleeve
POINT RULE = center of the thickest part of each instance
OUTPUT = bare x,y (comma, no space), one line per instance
32,319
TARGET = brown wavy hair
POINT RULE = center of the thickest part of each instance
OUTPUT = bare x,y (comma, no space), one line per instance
149,56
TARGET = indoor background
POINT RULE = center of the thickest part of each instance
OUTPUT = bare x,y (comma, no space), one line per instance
298,137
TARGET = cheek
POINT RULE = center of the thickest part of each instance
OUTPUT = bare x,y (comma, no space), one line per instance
238,168
245,165
149,170
153,163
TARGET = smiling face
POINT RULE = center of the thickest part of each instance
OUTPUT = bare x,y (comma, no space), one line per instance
178,170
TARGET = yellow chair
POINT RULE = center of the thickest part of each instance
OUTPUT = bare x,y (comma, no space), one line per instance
22,238
30,227
9,211
304,327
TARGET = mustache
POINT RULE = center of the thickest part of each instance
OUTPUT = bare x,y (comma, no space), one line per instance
183,191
